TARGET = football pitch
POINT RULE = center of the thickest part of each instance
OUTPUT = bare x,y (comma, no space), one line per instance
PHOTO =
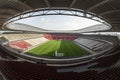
67,48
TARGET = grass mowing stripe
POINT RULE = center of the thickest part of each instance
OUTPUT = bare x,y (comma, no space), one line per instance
47,48
67,48
40,48
78,50
53,48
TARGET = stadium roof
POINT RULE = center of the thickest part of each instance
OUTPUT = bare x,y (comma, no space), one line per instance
107,9
26,27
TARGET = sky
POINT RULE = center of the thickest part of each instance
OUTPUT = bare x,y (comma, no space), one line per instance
58,22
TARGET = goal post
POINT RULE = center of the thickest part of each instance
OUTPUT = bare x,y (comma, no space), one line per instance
58,54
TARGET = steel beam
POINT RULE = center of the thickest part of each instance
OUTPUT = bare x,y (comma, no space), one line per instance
72,3
109,12
97,5
47,3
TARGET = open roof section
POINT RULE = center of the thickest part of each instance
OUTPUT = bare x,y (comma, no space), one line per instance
84,17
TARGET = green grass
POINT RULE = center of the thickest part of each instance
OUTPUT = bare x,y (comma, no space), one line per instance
62,46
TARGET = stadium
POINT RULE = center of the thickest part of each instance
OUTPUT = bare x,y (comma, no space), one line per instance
69,40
